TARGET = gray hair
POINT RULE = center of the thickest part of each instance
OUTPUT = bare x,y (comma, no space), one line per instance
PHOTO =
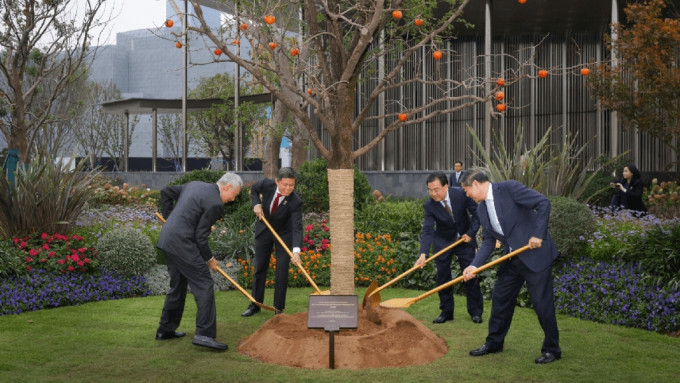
231,179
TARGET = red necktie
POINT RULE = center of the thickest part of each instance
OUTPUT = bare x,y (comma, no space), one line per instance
276,203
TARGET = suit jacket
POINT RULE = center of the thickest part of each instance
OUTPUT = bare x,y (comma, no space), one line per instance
190,210
439,230
522,213
287,220
452,179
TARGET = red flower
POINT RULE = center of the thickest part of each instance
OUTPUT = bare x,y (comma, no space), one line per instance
43,260
71,268
325,228
86,260
81,264
23,244
29,268
46,246
28,259
33,252
324,246
324,241
44,236
16,240
51,254
304,248
311,242
82,250
309,228
75,258
61,261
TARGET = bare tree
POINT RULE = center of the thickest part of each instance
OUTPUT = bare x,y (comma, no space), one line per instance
93,130
45,48
170,135
340,44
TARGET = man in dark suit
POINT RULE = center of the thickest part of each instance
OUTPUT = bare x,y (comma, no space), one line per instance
516,216
190,211
277,201
449,215
457,175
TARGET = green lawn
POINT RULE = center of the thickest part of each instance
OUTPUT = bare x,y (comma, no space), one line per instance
113,341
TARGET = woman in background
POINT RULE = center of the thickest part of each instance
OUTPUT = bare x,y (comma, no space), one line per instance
629,189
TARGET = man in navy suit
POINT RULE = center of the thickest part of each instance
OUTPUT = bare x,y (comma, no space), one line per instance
516,216
449,215
457,175
190,211
277,201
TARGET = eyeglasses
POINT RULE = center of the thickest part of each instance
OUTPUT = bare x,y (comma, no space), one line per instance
434,191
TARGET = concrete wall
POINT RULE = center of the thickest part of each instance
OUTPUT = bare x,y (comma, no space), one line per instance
400,184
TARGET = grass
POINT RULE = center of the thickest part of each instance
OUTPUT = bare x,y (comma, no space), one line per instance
113,341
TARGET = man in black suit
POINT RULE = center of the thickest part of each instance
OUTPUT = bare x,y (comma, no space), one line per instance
277,201
190,211
516,216
457,175
449,215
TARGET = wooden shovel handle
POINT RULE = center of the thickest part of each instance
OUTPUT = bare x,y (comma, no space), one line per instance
477,271
290,254
414,268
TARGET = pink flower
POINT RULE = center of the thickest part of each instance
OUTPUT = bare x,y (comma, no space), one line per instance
75,258
43,260
326,228
51,254
86,260
309,228
71,268
33,252
311,242
16,240
81,263
44,236
304,248
324,241
324,246
61,261
46,246
23,244
82,250
28,259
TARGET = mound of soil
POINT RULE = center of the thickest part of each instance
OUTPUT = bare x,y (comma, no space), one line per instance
383,338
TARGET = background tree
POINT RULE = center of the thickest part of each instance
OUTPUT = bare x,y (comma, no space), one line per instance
170,136
213,130
44,48
338,46
644,86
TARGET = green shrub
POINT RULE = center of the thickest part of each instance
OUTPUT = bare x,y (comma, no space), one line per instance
598,192
47,197
571,224
658,252
126,250
391,217
205,175
232,241
10,259
312,186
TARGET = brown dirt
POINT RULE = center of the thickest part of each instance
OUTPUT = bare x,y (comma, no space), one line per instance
385,338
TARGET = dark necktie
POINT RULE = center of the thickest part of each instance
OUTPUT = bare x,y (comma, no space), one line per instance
276,203
448,209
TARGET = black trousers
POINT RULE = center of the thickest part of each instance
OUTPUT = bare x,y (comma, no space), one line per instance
194,271
263,251
511,276
475,301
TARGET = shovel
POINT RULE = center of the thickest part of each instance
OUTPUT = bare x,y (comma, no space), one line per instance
372,292
406,302
234,283
290,254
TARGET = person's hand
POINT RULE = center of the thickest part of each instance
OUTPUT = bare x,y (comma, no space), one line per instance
421,261
466,238
612,185
468,273
296,259
620,186
213,265
535,243
257,209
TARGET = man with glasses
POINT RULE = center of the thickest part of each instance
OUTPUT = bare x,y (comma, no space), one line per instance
450,215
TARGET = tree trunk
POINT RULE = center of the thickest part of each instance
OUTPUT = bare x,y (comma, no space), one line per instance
300,146
341,190
272,146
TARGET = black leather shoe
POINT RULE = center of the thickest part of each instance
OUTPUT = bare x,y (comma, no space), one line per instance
547,357
206,341
169,335
250,311
484,350
442,318
477,319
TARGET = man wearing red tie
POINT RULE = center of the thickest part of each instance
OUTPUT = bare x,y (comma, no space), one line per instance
282,207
